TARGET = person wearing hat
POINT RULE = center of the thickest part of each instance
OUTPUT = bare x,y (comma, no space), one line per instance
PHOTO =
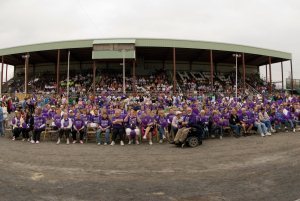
176,121
189,120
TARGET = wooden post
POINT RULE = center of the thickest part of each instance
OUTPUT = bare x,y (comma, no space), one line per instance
174,70
133,76
1,76
94,78
211,71
244,74
57,72
292,77
270,73
281,76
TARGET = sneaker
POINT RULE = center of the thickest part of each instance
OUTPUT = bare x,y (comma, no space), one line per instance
130,142
122,143
112,143
37,142
74,142
269,134
28,140
294,130
68,141
14,138
273,131
164,137
58,141
105,143
150,142
160,141
23,139
32,141
99,143
263,135
81,142
137,142
144,137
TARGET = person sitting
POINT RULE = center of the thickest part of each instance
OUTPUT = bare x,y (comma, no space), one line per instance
261,127
264,118
117,127
17,122
189,120
148,125
162,124
235,123
132,122
246,122
176,122
104,126
39,126
66,125
78,127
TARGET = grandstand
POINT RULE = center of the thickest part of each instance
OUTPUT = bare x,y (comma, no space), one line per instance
151,65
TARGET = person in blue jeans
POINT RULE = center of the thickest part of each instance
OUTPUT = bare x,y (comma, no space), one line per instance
235,123
104,126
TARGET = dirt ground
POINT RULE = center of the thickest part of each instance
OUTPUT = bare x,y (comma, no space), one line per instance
248,168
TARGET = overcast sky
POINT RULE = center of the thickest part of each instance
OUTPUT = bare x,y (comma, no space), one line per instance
272,24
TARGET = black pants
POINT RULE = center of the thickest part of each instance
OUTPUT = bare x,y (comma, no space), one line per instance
25,132
37,134
17,132
65,132
74,132
116,132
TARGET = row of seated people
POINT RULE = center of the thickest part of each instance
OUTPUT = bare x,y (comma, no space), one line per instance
148,122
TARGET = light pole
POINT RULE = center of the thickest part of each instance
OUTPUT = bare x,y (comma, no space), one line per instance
236,57
123,64
26,57
68,77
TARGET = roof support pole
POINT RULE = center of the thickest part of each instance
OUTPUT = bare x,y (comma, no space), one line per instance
6,72
281,76
133,76
94,78
174,70
57,72
244,73
292,77
267,75
1,76
211,71
2,68
26,73
270,73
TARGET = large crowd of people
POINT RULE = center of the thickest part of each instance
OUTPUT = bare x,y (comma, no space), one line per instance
140,117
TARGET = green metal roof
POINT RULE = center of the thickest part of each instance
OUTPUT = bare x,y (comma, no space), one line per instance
110,41
148,43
